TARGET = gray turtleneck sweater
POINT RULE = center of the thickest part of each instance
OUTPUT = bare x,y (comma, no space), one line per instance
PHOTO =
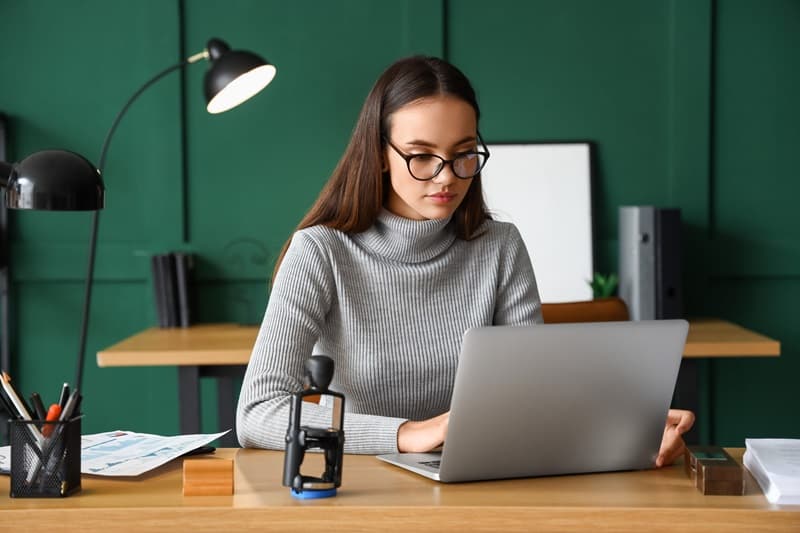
390,306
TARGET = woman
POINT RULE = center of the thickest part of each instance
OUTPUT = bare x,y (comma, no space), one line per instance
397,258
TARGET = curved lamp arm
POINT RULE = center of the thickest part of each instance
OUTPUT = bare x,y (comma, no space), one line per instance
193,59
87,296
234,77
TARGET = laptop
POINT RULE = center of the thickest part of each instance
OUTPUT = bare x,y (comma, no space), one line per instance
556,399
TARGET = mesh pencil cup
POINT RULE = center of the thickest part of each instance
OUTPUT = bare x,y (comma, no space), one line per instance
45,458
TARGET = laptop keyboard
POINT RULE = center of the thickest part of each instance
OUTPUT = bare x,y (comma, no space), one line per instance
432,464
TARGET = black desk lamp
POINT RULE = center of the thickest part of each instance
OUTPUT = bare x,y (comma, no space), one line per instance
51,180
41,180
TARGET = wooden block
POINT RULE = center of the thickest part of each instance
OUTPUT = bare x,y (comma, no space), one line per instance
713,471
207,476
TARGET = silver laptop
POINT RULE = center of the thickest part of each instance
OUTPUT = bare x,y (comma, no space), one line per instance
556,399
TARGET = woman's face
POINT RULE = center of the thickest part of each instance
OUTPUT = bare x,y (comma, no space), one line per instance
440,125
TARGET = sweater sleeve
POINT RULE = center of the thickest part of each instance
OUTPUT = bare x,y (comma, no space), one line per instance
518,300
302,294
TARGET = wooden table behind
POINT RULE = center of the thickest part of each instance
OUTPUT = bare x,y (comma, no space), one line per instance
231,344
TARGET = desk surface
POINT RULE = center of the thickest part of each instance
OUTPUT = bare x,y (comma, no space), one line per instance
378,496
231,344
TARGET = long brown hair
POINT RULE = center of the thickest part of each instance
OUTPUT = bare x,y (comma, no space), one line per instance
354,195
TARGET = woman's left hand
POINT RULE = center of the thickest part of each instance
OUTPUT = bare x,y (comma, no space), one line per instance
672,445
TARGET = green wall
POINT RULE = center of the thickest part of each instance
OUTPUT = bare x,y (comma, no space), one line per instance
691,103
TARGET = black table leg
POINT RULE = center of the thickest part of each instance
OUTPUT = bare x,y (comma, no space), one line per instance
189,398
687,395
226,411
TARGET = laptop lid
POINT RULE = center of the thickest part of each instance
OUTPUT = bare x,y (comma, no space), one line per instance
561,398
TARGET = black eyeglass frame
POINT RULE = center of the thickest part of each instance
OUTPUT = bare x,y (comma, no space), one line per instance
444,162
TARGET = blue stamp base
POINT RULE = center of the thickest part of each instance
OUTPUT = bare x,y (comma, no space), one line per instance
313,494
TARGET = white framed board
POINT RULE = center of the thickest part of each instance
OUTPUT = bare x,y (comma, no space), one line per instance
545,190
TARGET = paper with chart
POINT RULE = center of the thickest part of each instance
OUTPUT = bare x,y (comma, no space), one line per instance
125,453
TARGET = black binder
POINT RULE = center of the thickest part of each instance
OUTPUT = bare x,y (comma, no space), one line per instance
158,291
669,294
167,269
172,278
184,264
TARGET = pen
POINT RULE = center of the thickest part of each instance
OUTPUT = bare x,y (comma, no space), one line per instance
5,401
53,414
16,401
19,398
38,406
69,408
77,410
62,400
24,415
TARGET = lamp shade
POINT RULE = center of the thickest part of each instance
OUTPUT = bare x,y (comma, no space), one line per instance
55,180
234,76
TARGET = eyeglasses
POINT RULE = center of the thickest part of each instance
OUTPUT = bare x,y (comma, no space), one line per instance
425,167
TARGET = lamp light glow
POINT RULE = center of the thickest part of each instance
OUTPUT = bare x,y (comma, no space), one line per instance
241,89
234,76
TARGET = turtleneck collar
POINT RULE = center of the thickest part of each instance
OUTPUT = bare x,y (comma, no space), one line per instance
405,240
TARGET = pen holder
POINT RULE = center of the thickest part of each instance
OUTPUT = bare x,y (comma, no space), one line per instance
45,458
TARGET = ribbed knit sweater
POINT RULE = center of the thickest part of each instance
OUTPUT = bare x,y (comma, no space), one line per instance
390,306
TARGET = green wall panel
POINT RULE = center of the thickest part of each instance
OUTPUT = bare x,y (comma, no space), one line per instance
754,397
754,258
242,302
756,180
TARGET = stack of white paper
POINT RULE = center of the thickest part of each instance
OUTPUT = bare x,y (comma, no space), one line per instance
775,464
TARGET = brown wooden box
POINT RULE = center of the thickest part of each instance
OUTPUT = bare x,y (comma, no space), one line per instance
713,471
207,476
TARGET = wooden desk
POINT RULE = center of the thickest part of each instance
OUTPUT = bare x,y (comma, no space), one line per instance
379,497
221,350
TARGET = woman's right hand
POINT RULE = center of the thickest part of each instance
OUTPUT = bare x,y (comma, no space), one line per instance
422,436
